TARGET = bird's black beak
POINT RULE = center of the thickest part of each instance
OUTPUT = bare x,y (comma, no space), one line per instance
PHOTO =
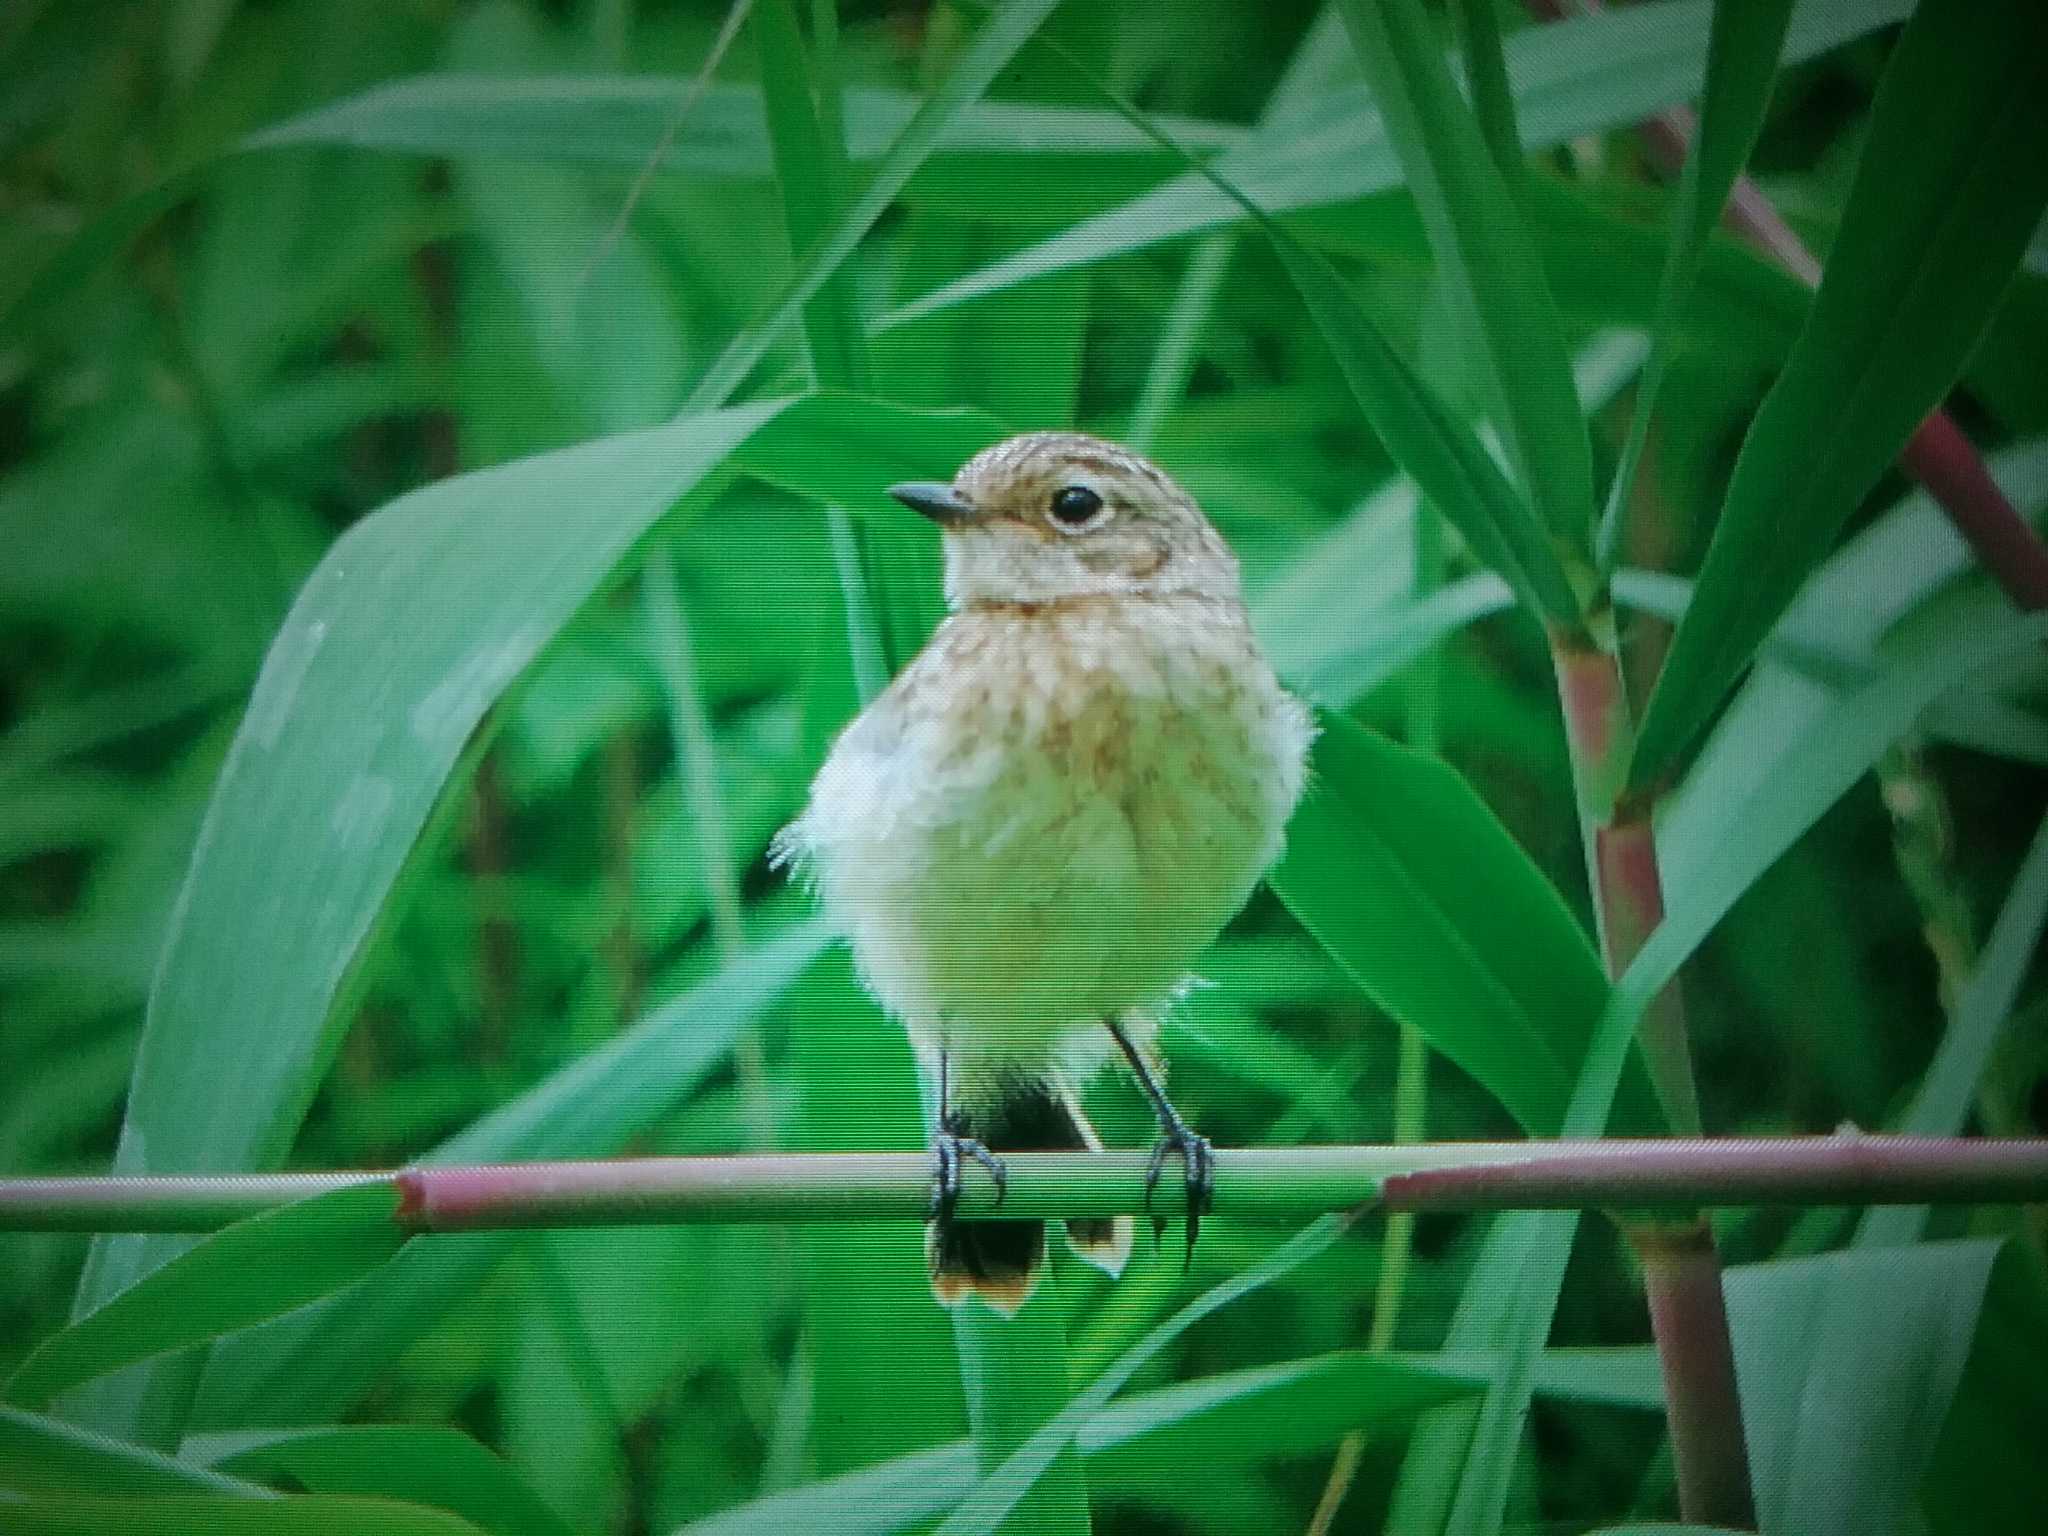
937,501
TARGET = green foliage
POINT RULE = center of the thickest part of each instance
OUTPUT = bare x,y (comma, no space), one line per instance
196,1514
1463,940
1921,258
1742,58
442,472
1495,276
256,1269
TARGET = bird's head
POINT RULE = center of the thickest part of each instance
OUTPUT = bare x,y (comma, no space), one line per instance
1052,516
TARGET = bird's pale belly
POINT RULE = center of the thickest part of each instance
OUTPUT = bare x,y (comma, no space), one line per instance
1035,859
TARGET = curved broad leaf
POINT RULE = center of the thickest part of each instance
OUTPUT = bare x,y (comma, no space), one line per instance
1841,1417
414,623
1410,882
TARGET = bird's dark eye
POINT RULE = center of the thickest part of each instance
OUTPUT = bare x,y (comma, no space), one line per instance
1074,505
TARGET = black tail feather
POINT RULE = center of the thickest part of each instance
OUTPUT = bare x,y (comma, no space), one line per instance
999,1261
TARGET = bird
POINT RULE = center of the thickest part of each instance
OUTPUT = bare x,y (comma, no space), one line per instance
1032,833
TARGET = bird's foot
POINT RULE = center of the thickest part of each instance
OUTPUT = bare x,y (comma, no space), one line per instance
947,1151
1198,1157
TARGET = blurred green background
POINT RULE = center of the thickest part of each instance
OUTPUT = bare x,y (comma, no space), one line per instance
474,268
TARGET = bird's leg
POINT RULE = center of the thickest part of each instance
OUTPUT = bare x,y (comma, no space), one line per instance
948,1146
1196,1155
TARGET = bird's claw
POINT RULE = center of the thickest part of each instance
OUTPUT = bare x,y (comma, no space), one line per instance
1198,1157
947,1151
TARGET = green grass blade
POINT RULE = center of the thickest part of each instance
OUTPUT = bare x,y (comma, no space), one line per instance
1572,78
1383,642
1439,452
1949,188
1732,837
607,122
188,1514
1008,28
1466,1464
805,170
1014,1373
1874,582
1493,95
1489,263
989,1505
1742,59
617,122
45,1455
354,728
1173,361
1340,614
253,1270
313,1365
1148,1440
807,166
1949,1087
429,1465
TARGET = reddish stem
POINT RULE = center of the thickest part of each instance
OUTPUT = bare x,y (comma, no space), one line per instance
1681,1271
1631,896
1682,1277
1941,458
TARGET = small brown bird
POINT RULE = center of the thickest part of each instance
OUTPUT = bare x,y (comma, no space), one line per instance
1031,834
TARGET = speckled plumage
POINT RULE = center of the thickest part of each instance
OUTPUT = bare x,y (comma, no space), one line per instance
1049,814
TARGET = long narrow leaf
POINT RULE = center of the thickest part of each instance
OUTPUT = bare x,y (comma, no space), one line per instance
1493,94
1008,28
1949,188
39,1454
218,1515
990,1504
1571,78
1489,264
313,1364
1979,1017
1742,58
253,1270
429,1465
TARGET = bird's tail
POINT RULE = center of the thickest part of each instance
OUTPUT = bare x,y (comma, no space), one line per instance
999,1261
